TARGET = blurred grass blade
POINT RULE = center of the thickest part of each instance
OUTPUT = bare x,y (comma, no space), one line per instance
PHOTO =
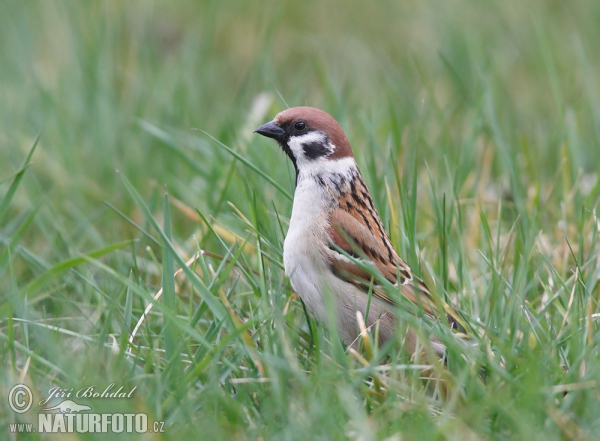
17,236
171,143
28,352
169,299
251,166
216,307
17,180
52,273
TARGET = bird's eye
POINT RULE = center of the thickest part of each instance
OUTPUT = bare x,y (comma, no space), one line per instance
300,126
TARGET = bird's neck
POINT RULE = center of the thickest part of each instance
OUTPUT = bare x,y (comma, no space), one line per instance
326,172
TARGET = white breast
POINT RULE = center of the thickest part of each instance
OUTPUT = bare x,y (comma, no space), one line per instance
306,241
303,261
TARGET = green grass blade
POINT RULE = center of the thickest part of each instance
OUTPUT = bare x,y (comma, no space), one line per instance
55,271
17,180
216,307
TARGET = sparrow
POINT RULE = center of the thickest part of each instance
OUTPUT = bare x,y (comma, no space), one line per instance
335,234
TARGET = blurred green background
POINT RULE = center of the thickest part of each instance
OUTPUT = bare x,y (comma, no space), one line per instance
491,108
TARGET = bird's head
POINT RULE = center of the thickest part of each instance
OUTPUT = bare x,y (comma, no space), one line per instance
308,136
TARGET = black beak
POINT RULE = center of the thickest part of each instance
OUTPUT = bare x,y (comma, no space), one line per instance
271,130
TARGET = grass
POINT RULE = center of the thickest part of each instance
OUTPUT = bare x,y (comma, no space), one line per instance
476,126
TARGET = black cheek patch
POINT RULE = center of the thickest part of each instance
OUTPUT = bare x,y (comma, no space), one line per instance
314,150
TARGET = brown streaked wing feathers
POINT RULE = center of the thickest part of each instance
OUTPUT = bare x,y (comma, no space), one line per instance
357,240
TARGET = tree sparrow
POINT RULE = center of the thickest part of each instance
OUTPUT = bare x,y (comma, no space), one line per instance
335,233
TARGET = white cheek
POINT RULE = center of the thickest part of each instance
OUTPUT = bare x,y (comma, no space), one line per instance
323,165
296,144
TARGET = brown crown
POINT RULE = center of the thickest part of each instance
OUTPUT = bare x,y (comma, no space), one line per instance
319,120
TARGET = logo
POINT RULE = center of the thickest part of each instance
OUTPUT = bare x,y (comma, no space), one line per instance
70,416
69,406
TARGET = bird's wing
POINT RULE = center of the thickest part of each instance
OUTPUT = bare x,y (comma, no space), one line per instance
361,236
